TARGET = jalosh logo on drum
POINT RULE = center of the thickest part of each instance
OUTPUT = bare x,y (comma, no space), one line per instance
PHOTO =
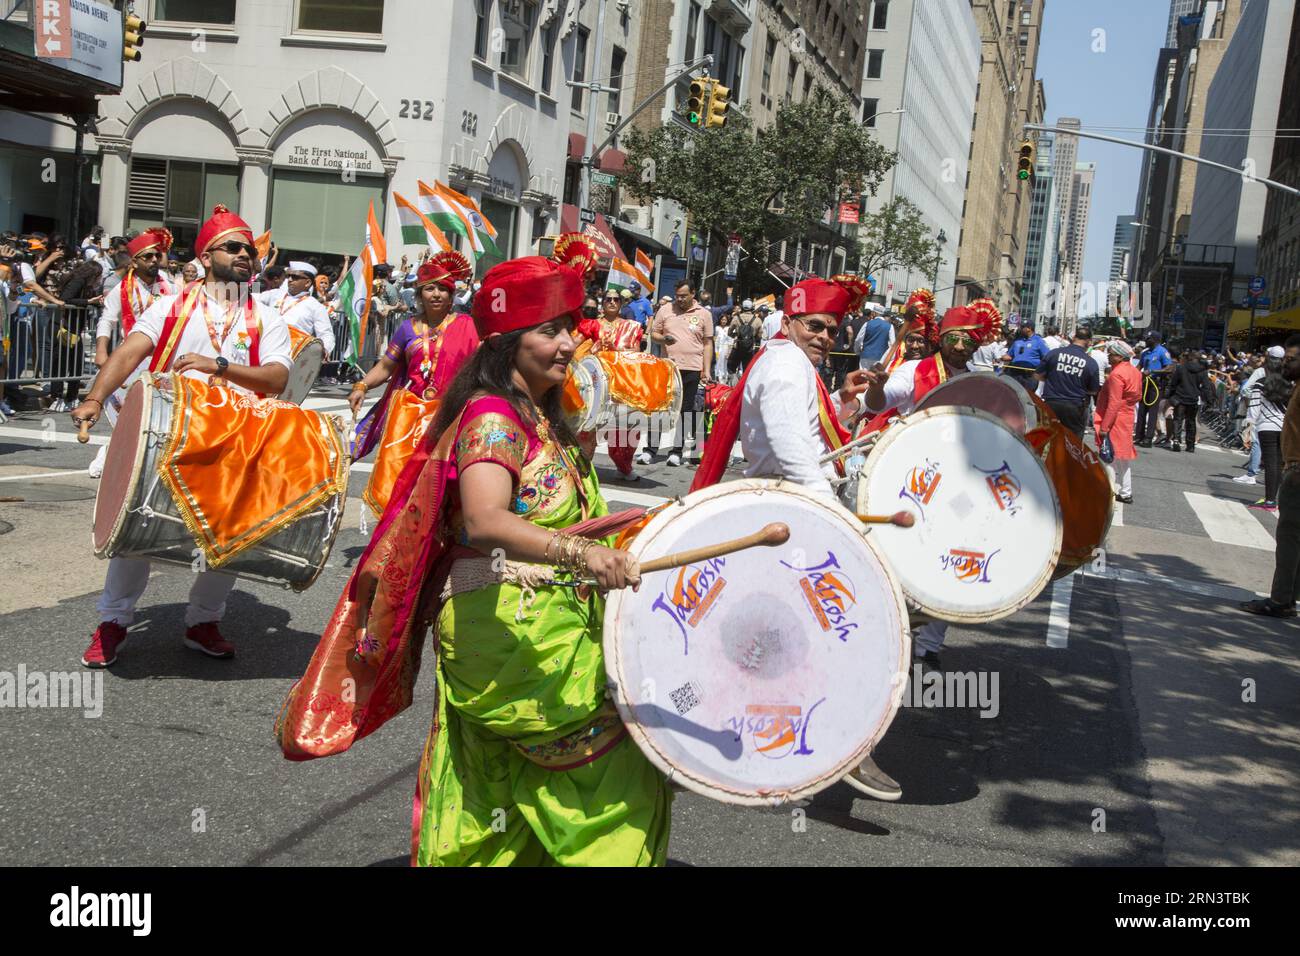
1005,487
970,567
776,730
690,594
922,482
830,595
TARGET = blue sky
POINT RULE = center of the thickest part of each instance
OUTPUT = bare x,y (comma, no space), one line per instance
1109,86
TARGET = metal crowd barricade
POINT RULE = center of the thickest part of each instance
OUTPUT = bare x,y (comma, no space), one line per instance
46,344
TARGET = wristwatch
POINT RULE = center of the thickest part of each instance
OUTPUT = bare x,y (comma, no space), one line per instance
222,365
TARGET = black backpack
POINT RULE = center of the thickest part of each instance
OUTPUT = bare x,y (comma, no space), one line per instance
745,335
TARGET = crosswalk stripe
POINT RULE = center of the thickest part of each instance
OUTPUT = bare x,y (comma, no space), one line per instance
1117,516
1229,522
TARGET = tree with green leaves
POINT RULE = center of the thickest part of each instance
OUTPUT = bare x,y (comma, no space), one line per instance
897,237
778,186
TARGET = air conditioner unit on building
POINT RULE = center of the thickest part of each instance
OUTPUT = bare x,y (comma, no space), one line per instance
639,216
612,119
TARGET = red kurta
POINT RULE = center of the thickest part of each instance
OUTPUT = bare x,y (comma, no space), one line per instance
1117,407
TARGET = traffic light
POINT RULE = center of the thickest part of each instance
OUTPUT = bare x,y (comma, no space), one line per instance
132,36
716,112
1025,168
700,87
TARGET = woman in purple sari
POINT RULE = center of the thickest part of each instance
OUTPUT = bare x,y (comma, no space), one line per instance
425,352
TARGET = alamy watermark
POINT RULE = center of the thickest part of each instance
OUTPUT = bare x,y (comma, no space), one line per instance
78,690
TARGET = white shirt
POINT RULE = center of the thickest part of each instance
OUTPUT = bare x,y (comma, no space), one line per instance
273,346
988,357
780,427
1102,362
305,313
901,386
26,273
111,317
772,324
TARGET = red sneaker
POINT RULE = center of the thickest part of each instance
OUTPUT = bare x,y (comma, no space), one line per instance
206,638
102,652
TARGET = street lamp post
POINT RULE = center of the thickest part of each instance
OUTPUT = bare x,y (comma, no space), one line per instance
939,240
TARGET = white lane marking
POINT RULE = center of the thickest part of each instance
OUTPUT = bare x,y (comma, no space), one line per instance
1058,620
44,474
1229,522
1148,579
38,436
612,493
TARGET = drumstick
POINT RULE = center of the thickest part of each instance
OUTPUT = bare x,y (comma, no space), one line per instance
769,536
904,519
83,430
851,447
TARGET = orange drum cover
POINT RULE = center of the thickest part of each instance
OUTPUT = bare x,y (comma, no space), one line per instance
297,340
640,381
1045,413
1083,488
405,423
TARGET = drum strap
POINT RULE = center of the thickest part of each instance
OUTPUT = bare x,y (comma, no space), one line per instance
174,325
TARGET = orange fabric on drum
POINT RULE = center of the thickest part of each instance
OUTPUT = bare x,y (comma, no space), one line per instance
409,417
297,340
571,396
641,382
242,468
1082,486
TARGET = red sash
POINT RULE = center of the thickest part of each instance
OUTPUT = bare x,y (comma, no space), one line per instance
179,315
727,426
128,313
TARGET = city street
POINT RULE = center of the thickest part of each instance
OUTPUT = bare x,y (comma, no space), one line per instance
1139,718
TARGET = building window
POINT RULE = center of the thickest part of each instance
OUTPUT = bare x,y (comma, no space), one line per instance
875,63
481,12
692,30
1026,17
177,195
737,71
330,16
807,85
789,81
880,14
616,62
195,11
518,17
579,66
548,57
769,54
1024,37
869,110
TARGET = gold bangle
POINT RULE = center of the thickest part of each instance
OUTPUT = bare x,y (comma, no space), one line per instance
360,387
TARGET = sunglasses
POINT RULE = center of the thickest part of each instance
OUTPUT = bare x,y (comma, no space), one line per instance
611,298
234,248
954,338
817,326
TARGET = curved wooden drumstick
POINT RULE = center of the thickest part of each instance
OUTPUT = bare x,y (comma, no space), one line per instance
904,519
83,430
769,536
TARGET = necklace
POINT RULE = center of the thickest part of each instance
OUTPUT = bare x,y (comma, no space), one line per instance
229,316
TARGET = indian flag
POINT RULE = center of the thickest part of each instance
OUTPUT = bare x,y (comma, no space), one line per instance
354,290
453,212
376,247
622,274
645,266
417,230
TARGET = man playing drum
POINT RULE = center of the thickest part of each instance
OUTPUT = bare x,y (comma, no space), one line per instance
215,331
961,331
299,308
787,420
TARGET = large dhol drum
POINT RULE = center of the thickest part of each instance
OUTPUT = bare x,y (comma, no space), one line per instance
1000,396
308,354
586,394
988,524
136,516
766,675
640,382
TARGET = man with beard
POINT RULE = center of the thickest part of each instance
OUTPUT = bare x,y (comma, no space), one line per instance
787,420
1281,601
216,330
140,288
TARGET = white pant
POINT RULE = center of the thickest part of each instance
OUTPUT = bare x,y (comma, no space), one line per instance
128,577
928,638
1121,474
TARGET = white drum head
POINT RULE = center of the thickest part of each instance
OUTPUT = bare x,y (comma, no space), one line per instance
593,385
766,675
1000,395
988,523
302,374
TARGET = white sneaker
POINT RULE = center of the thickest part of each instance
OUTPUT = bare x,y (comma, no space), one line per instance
643,458
632,476
1245,480
674,460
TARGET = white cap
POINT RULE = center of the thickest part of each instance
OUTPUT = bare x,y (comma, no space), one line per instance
304,267
199,266
877,308
1276,351
747,304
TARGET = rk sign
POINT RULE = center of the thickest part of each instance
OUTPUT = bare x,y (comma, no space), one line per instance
53,29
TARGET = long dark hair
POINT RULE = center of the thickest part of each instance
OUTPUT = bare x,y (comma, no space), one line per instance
491,369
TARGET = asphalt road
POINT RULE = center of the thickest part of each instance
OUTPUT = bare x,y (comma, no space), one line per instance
1143,720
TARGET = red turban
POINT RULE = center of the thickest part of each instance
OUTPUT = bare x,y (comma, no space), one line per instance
922,300
155,238
981,319
522,293
836,296
224,224
444,269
